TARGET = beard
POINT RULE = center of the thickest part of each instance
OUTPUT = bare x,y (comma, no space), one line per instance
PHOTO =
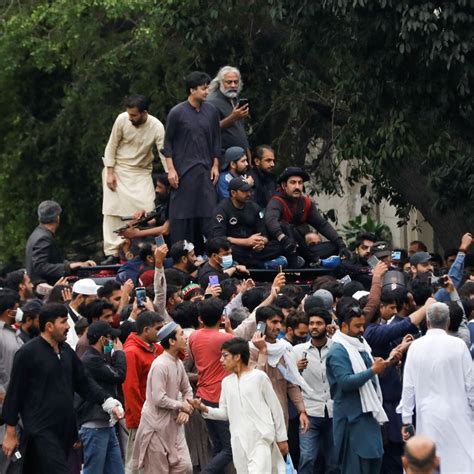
229,93
33,331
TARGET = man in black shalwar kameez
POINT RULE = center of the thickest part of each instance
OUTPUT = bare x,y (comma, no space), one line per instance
192,149
46,373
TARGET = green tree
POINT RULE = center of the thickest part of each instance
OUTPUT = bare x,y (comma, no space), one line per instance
386,84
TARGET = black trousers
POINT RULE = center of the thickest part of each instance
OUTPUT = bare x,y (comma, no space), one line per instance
45,453
311,253
193,230
221,448
251,259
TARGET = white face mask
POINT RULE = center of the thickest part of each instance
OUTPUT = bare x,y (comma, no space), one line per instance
19,315
226,261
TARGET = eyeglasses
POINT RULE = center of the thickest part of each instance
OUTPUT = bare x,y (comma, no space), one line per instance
232,81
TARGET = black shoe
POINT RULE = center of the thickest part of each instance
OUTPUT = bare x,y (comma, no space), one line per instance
110,260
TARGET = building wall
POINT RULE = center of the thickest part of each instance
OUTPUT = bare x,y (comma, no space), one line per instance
349,205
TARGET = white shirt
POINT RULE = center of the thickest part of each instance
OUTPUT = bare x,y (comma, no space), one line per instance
252,408
315,376
438,379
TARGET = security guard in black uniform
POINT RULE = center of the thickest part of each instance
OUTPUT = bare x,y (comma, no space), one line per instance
240,220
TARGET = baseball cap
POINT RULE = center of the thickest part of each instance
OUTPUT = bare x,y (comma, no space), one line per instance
420,257
381,249
48,211
239,184
233,153
101,328
86,286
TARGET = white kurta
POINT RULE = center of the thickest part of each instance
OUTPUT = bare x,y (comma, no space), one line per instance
256,422
438,379
129,152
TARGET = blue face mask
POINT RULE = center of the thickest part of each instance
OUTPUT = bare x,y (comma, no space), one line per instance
108,347
226,261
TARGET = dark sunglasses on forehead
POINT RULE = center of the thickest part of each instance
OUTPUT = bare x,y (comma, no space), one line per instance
356,311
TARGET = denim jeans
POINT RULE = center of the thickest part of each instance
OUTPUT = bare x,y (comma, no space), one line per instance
318,436
221,448
101,451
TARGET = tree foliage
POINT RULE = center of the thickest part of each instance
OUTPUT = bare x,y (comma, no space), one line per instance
386,84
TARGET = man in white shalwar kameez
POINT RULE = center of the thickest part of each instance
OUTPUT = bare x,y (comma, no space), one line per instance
128,162
160,444
438,380
248,401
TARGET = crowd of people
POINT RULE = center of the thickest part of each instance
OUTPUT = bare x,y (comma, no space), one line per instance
175,360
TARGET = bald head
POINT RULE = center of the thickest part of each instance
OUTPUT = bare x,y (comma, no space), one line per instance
420,455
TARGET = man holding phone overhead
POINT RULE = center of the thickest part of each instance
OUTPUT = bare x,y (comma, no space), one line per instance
224,93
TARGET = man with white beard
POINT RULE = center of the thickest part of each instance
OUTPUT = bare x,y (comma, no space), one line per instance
224,92
438,380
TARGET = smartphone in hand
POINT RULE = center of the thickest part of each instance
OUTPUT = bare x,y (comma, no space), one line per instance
243,102
213,280
140,292
261,328
159,240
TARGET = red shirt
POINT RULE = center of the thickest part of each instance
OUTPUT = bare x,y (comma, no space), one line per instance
140,356
205,346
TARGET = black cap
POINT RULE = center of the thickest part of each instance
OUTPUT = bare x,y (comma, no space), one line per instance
293,171
239,184
381,249
420,257
32,306
101,328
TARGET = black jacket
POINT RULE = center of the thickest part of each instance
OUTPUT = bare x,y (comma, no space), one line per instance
264,187
44,262
109,376
273,218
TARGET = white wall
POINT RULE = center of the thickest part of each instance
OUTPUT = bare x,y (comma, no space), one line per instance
349,206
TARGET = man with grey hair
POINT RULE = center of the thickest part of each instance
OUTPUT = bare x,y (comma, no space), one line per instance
44,262
420,456
438,379
224,93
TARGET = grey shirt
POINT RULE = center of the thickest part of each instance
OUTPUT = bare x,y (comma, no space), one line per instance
10,342
315,376
235,134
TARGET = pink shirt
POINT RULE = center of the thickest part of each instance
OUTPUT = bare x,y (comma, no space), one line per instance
205,346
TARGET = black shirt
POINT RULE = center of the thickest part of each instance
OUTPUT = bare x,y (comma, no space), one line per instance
192,141
235,134
264,186
230,221
186,278
42,387
205,271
